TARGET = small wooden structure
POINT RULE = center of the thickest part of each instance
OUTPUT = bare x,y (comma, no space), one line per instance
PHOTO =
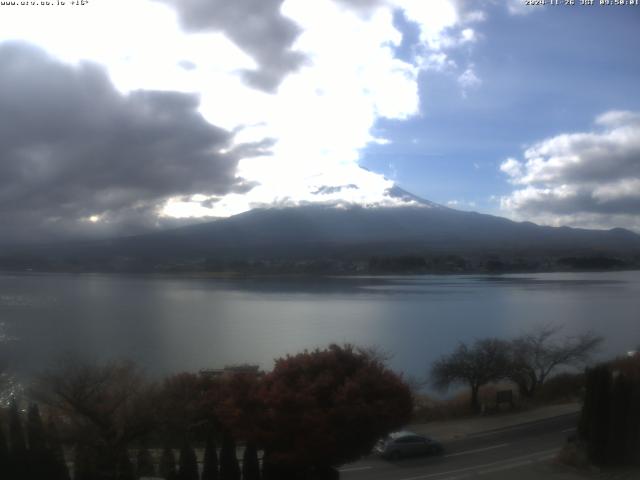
504,396
230,370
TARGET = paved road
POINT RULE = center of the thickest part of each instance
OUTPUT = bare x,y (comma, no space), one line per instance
477,455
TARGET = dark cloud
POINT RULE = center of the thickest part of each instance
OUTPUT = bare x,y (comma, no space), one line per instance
574,201
71,147
327,190
256,26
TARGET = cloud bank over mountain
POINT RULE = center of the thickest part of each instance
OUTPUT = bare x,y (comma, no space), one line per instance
76,153
217,108
585,178
128,115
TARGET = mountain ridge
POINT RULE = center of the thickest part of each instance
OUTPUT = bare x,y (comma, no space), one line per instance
322,234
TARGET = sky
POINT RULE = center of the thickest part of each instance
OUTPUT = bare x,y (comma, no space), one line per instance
124,116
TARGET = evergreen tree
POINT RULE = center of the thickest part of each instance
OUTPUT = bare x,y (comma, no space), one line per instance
229,468
38,457
210,468
35,430
18,447
84,465
633,432
125,467
611,414
16,434
601,410
144,464
617,435
4,453
326,473
59,470
167,468
275,471
188,463
250,463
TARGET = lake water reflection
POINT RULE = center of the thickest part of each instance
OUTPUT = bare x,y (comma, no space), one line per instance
171,324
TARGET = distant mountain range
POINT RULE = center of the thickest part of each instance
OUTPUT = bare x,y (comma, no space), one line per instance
422,237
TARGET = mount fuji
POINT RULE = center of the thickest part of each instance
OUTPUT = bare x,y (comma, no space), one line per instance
412,234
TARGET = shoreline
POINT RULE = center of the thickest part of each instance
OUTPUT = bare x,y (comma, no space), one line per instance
238,275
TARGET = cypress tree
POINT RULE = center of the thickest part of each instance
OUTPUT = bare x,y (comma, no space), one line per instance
275,471
16,434
59,470
125,467
84,464
210,468
4,454
324,473
37,453
602,416
596,413
586,414
610,417
144,464
618,426
229,468
633,432
250,463
167,468
35,430
18,447
188,463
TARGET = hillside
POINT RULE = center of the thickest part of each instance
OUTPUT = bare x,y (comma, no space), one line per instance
324,237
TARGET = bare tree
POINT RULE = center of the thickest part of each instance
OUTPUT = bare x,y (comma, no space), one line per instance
106,407
536,354
487,360
377,352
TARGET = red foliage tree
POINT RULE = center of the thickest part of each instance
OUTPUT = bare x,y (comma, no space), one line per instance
186,403
319,409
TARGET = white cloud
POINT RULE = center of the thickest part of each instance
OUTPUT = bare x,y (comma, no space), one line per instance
321,114
512,167
468,35
520,7
615,118
583,179
438,62
462,204
469,80
434,18
474,16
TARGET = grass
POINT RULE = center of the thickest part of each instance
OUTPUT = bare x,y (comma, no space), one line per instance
562,388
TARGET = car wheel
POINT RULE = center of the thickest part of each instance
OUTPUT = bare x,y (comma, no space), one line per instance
395,455
437,450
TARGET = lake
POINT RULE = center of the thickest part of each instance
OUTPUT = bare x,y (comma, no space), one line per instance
172,324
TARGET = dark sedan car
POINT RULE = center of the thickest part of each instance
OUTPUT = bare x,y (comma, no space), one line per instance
407,444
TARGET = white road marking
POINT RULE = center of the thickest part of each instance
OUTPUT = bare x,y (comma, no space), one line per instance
477,450
568,430
508,466
514,465
497,432
505,463
502,430
355,469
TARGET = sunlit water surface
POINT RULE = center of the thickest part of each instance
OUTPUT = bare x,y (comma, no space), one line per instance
172,324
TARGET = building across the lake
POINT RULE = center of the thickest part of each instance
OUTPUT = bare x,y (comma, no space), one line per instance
230,370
